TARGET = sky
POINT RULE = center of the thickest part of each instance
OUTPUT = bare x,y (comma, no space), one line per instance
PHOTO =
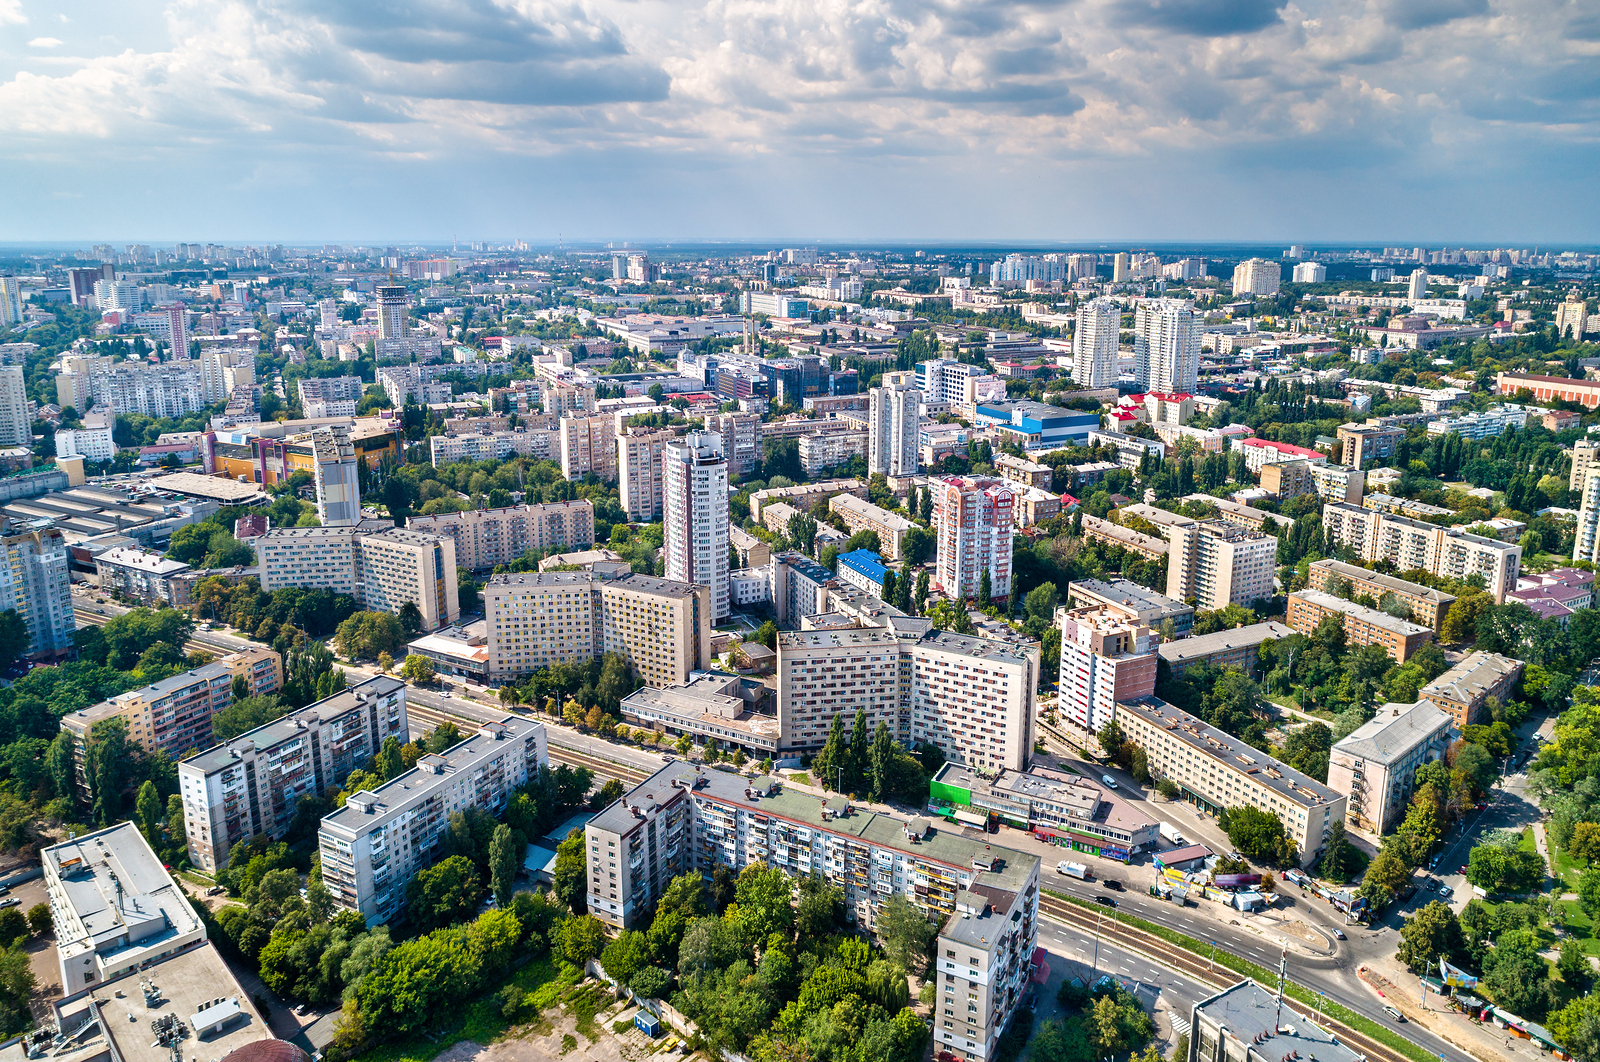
1459,122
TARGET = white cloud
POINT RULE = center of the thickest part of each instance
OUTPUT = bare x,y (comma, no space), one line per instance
44,42
11,13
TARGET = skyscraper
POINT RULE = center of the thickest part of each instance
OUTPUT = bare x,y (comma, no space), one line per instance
178,332
1587,545
329,311
1094,343
1256,276
1105,658
11,301
34,582
695,523
338,478
894,415
15,430
1119,267
1166,346
1418,286
391,311
974,520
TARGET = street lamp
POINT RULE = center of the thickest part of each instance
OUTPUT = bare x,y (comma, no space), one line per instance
1213,956
1094,967
839,776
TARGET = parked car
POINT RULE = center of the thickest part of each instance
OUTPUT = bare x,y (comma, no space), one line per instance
1430,885
1103,901
1406,893
1395,1014
1445,892
9,901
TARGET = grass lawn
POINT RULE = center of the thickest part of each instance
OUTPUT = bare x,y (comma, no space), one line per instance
1289,702
1566,869
482,1022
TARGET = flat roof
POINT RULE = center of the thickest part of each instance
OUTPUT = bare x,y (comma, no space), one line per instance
117,888
1129,594
141,560
866,562
1353,572
220,488
1247,1010
1226,749
1395,730
509,579
1404,628
1221,641
270,734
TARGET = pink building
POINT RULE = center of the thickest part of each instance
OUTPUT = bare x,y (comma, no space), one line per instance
1105,658
975,518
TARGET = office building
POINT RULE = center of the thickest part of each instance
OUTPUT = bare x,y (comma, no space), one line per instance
1166,345
1218,564
222,369
741,440
1466,689
1134,603
16,429
330,396
1227,1026
171,389
1310,273
1256,276
1377,764
1036,425
974,520
1417,286
337,478
392,301
374,845
1214,770
589,447
1572,317
381,567
1104,659
891,528
1070,809
695,523
662,626
252,785
639,471
894,425
485,538
113,907
1428,606
1238,647
1095,343
36,583
1362,626
985,897
1412,545
774,304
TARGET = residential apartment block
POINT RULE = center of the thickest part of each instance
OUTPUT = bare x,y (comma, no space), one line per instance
894,415
492,445
1337,483
485,538
1428,606
538,619
1464,691
381,838
171,389
1218,564
34,581
1362,625
1215,770
1372,441
1377,763
1104,659
986,897
974,521
1147,546
1414,544
858,515
135,573
827,450
695,516
1238,647
741,439
639,471
337,477
1132,602
589,446
381,567
252,785
330,396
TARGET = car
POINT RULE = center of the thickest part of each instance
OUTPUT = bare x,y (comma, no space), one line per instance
1433,864
10,901
1111,883
1111,783
1462,869
1406,893
1339,933
1105,901
1395,1014
300,1008
1430,885
1445,892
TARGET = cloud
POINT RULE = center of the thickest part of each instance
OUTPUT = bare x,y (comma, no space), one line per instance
1420,14
44,42
11,13
1202,18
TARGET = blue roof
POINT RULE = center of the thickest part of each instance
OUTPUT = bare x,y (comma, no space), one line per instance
865,562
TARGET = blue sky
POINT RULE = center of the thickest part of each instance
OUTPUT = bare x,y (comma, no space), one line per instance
1433,121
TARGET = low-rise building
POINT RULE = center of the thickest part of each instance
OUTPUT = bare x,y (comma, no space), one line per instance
1466,689
803,496
1428,606
461,651
375,844
1258,453
1068,809
753,553
1226,1027
1133,602
1215,771
1377,763
863,568
137,574
731,710
1362,625
1021,471
859,515
1238,647
1147,546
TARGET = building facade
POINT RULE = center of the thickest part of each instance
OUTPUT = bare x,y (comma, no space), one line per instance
891,528
974,518
1466,689
381,567
536,619
1428,606
337,478
1095,343
1377,763
1238,647
894,425
695,521
1372,441
1166,345
1104,659
741,440
330,396
1412,545
1218,564
171,389
589,446
485,538
1400,638
1256,276
639,471
36,583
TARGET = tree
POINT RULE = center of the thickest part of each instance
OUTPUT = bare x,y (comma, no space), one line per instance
506,849
1256,834
625,956
1335,857
1040,603
245,714
1433,933
444,893
39,919
1516,975
366,634
984,589
152,814
569,879
14,638
882,756
417,669
578,938
386,662
906,932
651,982
13,928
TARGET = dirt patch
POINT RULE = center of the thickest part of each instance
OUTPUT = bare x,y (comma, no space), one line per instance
557,1036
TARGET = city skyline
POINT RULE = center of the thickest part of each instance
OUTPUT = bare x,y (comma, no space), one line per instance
1112,119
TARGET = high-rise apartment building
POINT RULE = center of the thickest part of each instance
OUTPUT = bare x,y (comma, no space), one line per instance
1572,317
392,311
894,425
639,471
589,447
1094,343
1120,267
1372,441
172,389
253,784
1417,286
118,295
35,582
72,383
695,524
337,476
1585,455
945,379
178,332
741,440
1166,346
1412,545
1310,273
560,398
10,301
1587,545
662,626
1105,658
492,445
328,311
486,538
381,567
330,396
985,898
1082,266
81,282
373,846
1256,276
1218,564
224,368
974,519
15,427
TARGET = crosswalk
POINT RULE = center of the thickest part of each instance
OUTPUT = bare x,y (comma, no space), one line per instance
1180,1026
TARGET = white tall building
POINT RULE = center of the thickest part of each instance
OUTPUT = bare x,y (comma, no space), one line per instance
178,332
171,389
10,301
1417,288
1310,273
337,477
118,295
15,428
1094,343
1105,658
330,396
974,518
1256,276
1166,346
695,521
391,311
894,421
92,441
329,311
222,369
641,453
34,581
1216,564
1587,546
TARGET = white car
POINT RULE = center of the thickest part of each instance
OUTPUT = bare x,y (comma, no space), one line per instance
1109,781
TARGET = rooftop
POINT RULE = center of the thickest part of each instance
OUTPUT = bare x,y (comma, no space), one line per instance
650,584
509,579
1247,1010
866,562
1354,572
1231,752
141,560
270,734
118,892
1395,730
1404,628
878,514
1470,681
1128,594
219,488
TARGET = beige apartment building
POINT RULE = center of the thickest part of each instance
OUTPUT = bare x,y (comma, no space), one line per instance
1021,471
741,439
589,446
1288,479
639,473
1465,689
1585,455
864,516
1218,564
381,567
1362,626
485,538
1214,770
1372,441
536,619
1416,545
661,625
1428,606
833,671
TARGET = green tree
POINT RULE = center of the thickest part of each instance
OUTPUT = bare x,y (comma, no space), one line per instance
417,669
625,956
1433,933
39,919
905,931
1257,835
578,938
570,877
14,638
984,591
506,849
444,893
152,814
366,634
245,714
882,755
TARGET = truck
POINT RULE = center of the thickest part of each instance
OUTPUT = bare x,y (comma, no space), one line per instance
1170,834
1074,870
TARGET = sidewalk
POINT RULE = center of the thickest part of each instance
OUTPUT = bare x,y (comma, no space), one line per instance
1481,1041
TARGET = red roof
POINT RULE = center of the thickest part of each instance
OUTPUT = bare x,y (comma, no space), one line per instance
1281,447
